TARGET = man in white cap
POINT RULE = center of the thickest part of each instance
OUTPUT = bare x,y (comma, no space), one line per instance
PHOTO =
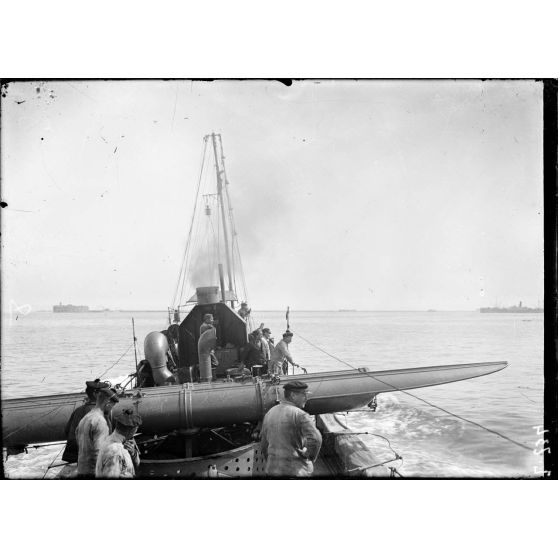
290,442
119,454
280,354
71,451
92,431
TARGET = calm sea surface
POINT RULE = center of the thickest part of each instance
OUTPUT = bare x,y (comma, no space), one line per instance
46,353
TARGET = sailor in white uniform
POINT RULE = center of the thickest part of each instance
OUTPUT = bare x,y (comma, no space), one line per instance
119,454
280,353
91,431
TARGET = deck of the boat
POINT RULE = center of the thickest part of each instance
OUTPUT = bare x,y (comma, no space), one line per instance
343,454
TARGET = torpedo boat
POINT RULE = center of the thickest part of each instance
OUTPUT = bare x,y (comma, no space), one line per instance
201,404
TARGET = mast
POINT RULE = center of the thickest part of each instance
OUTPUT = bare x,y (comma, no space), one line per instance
223,218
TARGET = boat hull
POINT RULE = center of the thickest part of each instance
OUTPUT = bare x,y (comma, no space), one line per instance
186,406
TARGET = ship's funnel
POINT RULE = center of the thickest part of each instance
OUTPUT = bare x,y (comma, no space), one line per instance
207,295
155,347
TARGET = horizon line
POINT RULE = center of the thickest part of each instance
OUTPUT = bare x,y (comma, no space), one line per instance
348,311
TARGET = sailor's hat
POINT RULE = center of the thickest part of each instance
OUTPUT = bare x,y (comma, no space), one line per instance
295,385
128,418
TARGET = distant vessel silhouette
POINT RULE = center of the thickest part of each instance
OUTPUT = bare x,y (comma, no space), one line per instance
511,310
69,308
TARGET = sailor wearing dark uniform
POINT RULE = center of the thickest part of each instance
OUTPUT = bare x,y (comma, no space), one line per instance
281,354
290,442
252,353
92,431
119,453
71,452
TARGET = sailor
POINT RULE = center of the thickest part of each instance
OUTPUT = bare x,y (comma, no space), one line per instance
266,336
290,442
207,323
172,337
244,311
256,339
252,353
92,431
280,355
207,343
119,453
71,452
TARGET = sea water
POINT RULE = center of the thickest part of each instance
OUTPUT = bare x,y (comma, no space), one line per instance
45,353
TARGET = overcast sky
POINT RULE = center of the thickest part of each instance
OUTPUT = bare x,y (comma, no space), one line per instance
396,195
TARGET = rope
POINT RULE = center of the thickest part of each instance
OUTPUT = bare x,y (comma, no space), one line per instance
60,406
519,444
182,272
57,456
350,432
37,446
32,421
121,357
230,212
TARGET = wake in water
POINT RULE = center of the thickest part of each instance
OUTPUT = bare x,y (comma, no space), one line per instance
433,444
38,463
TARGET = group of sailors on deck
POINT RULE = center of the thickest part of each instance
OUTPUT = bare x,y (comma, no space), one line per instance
289,439
260,351
102,446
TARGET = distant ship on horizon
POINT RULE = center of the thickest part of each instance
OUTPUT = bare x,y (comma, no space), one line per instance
69,308
511,310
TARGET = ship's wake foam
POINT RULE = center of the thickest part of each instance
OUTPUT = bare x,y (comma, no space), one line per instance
432,443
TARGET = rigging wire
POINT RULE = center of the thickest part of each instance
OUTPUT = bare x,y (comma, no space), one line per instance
421,399
233,232
242,276
32,421
51,463
234,235
121,357
229,208
188,241
351,432
218,257
335,417
60,406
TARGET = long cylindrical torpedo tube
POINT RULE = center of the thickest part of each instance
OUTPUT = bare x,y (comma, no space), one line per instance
163,409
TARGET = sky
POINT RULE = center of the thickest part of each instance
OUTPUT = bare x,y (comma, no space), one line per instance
372,195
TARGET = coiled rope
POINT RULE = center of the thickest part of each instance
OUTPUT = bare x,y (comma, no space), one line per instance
503,436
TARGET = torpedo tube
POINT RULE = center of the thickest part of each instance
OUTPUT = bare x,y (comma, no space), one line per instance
166,408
